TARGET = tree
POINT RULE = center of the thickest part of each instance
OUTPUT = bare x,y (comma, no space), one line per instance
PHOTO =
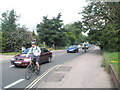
51,31
73,32
13,36
9,21
102,21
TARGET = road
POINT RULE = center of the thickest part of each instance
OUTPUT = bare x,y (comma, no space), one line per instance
14,77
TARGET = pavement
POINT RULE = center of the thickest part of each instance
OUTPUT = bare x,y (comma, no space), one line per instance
85,71
6,57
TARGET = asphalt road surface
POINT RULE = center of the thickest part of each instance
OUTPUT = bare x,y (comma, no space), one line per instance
14,77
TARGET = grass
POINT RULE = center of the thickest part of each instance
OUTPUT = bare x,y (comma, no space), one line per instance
11,53
112,58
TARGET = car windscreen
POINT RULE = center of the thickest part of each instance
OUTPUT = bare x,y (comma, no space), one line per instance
26,51
72,46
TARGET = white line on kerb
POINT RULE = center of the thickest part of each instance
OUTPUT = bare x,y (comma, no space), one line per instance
40,77
14,83
53,55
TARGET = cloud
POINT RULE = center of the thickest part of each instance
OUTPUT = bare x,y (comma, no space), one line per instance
32,11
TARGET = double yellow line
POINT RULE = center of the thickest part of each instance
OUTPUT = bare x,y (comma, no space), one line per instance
31,85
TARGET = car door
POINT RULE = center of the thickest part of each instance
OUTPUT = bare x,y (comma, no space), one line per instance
44,55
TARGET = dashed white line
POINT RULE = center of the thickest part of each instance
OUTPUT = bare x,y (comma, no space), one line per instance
54,55
59,54
14,83
11,65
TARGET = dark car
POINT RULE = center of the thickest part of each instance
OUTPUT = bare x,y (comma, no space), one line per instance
22,60
73,48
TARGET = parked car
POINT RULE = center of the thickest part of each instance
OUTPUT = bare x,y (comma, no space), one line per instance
73,48
22,60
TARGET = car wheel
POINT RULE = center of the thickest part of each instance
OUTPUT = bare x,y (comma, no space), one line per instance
77,51
16,66
67,51
49,59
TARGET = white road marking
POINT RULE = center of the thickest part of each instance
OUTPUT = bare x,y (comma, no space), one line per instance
11,65
40,77
14,83
54,55
59,54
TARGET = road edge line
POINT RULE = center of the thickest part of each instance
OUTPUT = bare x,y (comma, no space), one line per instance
40,77
14,83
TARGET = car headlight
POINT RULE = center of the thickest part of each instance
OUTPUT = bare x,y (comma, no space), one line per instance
27,59
13,59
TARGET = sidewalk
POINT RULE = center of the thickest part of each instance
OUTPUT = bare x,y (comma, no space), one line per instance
83,72
6,57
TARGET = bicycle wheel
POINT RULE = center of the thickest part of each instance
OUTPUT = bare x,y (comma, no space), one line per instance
37,71
28,72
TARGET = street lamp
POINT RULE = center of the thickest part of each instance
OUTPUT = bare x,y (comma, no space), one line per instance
44,44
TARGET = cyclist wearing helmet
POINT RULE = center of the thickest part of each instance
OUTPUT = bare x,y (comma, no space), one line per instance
36,52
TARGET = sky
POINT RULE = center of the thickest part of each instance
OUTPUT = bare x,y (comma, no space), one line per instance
32,11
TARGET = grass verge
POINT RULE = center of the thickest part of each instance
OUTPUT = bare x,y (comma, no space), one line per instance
12,53
112,58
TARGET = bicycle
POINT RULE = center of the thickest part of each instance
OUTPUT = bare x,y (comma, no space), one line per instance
31,68
85,49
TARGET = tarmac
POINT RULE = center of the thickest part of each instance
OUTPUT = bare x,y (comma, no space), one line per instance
84,71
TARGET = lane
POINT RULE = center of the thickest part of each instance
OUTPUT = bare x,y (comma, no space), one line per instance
11,74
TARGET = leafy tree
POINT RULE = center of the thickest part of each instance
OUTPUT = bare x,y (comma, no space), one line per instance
51,31
73,32
9,21
13,37
103,23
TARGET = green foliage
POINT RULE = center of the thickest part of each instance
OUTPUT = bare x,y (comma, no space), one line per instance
112,58
73,32
9,21
11,53
13,37
0,41
103,23
51,32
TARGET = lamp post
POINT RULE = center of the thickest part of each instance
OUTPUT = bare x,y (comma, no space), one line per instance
44,44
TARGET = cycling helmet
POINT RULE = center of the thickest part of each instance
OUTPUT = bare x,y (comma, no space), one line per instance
32,42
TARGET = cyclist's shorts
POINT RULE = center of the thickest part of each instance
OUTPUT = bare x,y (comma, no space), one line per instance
37,58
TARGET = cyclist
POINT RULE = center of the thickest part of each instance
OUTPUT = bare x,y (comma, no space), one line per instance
85,47
36,52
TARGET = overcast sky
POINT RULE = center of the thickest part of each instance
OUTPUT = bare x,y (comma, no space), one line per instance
32,11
